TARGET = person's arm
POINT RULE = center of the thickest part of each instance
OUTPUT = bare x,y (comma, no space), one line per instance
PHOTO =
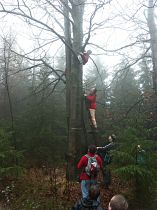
107,147
99,148
81,163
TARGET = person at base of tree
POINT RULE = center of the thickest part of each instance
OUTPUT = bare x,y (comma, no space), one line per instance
90,203
86,179
118,202
91,106
104,153
83,57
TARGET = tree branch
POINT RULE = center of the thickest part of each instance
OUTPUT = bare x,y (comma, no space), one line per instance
3,10
45,63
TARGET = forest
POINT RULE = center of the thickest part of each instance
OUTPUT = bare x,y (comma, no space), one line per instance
44,120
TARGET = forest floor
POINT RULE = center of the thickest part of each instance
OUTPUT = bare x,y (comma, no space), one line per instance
47,189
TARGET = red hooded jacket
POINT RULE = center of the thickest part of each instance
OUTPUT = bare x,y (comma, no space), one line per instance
83,163
92,99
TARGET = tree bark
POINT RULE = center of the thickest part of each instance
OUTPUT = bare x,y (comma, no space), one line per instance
74,95
153,41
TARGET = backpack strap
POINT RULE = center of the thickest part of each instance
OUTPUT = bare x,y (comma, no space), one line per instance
95,157
87,156
84,168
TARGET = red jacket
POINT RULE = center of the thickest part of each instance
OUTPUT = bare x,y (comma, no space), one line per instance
85,57
83,163
92,99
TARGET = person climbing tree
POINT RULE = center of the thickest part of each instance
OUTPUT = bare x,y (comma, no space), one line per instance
104,153
91,107
84,57
90,164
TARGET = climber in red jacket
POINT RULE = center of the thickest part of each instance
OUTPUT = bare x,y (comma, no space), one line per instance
83,57
91,106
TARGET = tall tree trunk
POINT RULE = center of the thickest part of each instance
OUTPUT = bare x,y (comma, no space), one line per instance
74,84
153,41
67,33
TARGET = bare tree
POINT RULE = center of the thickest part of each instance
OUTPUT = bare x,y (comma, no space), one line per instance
71,35
62,22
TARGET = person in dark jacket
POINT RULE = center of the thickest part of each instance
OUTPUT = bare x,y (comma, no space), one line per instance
104,153
90,203
109,145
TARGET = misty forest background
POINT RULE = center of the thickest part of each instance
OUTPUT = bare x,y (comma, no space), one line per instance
43,119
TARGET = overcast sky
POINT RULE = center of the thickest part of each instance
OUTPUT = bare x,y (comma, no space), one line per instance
118,30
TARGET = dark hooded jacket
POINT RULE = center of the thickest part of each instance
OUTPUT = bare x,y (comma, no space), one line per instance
87,204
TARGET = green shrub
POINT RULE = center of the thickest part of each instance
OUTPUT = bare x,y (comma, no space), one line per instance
137,167
8,156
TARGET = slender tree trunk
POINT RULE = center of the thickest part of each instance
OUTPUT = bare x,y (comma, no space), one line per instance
6,69
153,41
67,33
7,57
